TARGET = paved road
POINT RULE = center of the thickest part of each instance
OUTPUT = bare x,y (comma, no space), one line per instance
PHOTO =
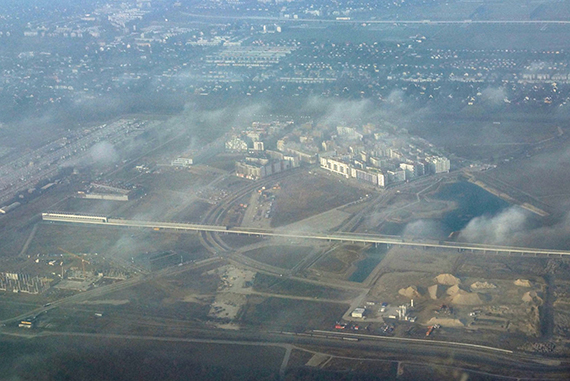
338,237
381,22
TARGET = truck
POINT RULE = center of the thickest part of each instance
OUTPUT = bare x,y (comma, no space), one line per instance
430,330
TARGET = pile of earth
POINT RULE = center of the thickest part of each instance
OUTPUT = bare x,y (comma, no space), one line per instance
447,279
436,291
410,292
482,286
462,297
445,322
523,283
532,297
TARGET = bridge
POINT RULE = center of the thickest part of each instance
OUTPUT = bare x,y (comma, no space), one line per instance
336,237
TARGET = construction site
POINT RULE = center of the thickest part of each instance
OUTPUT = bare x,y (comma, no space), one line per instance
290,255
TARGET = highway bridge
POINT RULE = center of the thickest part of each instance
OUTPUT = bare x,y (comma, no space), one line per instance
283,233
349,20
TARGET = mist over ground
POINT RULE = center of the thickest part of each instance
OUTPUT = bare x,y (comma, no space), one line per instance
516,227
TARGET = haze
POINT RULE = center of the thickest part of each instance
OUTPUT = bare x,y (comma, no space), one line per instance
284,189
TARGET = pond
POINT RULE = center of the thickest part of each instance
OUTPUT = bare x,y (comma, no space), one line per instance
472,201
364,267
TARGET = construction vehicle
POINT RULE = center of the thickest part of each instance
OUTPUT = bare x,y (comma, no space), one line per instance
430,330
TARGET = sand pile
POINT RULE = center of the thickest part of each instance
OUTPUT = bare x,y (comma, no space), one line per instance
523,283
482,285
447,279
410,292
532,296
445,322
466,298
435,291
460,296
453,290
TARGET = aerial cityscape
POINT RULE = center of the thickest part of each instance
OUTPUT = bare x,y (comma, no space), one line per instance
284,190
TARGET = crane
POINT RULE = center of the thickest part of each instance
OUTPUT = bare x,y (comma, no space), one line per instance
83,260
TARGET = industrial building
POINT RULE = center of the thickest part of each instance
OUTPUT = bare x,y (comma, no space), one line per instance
101,191
9,208
104,196
185,162
358,313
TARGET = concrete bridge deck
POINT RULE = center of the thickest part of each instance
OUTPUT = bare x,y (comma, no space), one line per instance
338,236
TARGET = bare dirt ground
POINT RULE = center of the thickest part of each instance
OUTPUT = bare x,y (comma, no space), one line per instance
322,222
231,296
113,244
419,260
489,299
305,195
